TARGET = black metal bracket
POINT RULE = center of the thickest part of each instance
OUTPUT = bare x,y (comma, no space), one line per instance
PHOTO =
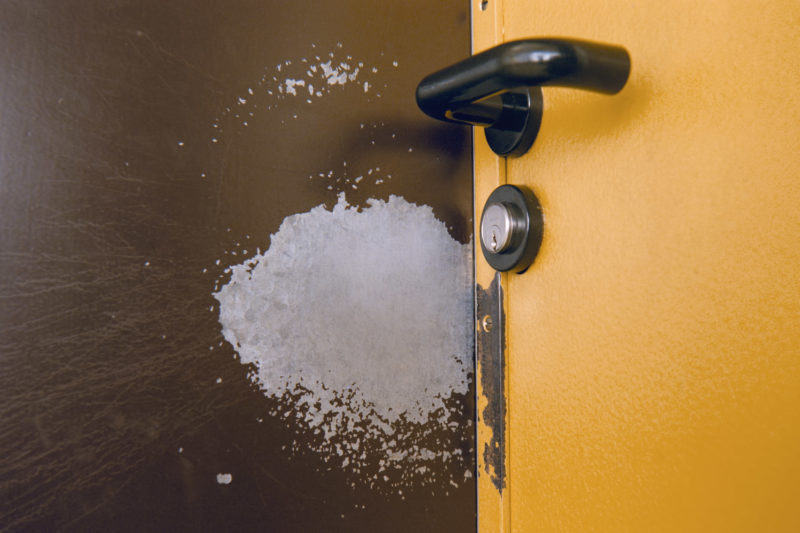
499,89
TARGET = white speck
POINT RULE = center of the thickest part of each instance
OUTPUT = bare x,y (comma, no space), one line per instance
180,450
359,178
249,90
394,63
310,89
374,70
202,174
224,479
180,143
213,139
410,149
219,380
147,263
244,123
366,86
290,85
242,100
217,262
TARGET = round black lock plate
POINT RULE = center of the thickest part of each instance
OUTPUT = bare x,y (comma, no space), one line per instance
511,228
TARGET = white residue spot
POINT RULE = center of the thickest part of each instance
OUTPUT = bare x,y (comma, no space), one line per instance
394,63
180,143
219,380
290,85
359,324
224,479
366,86
147,263
335,74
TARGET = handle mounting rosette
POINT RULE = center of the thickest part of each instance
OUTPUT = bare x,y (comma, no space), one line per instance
500,89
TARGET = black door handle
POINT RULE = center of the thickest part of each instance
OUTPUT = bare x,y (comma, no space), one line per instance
500,88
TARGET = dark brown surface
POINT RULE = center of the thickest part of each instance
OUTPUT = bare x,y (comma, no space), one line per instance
107,223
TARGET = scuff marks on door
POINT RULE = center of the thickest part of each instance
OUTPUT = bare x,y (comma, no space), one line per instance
490,348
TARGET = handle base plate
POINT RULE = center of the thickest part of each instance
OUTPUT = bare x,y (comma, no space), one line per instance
513,134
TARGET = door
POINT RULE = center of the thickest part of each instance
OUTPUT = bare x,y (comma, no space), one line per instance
235,268
652,364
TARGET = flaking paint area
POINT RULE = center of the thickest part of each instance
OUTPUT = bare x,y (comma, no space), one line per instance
490,349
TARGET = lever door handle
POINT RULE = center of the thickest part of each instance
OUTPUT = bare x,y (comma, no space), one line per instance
499,89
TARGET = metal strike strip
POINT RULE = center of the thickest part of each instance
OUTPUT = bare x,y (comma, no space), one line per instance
490,345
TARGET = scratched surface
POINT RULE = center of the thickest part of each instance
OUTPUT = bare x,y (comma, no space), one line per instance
113,200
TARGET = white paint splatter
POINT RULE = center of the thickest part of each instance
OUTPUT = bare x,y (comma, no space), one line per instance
359,323
224,479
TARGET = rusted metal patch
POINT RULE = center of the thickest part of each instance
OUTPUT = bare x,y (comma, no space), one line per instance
490,345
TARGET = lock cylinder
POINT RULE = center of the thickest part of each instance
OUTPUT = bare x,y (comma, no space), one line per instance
511,228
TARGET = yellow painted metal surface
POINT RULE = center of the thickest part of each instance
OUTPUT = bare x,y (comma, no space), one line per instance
654,346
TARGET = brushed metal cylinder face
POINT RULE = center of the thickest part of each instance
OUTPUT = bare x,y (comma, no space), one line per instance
497,227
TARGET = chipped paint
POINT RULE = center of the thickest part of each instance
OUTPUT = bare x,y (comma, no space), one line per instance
490,348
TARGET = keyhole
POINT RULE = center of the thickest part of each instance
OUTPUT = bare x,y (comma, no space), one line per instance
494,241
484,4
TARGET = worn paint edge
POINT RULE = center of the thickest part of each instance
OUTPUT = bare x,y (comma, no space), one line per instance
490,351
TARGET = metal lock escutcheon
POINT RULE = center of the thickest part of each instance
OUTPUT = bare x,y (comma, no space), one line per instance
511,228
